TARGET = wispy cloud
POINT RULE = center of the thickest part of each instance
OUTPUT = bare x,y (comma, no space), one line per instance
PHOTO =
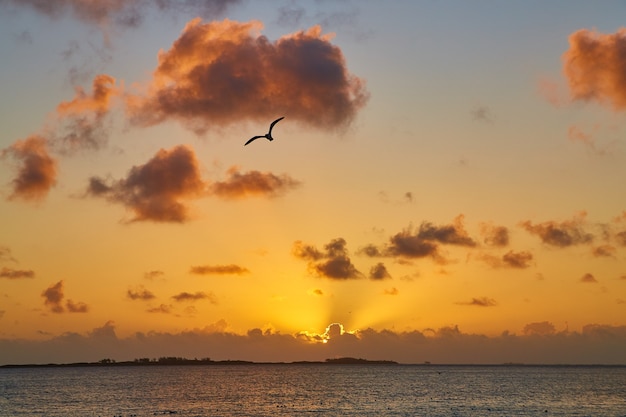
11,273
561,234
200,295
493,235
219,73
588,279
230,269
252,183
511,259
480,302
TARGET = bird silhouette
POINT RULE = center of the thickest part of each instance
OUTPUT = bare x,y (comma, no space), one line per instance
268,135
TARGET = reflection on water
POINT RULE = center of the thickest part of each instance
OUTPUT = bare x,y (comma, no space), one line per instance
325,390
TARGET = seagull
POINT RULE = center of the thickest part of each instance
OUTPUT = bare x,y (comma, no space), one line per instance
268,135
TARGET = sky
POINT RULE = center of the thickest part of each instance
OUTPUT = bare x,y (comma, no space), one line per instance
446,184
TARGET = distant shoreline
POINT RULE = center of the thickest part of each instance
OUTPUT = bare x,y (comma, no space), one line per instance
171,361
197,362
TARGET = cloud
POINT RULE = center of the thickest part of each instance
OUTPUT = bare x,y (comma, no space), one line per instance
588,279
594,66
482,114
186,296
163,308
125,13
140,293
511,259
424,242
480,302
497,236
151,275
563,234
252,183
379,272
53,299
391,291
220,73
543,328
37,172
219,270
11,273
82,120
603,251
5,255
333,263
156,191
539,344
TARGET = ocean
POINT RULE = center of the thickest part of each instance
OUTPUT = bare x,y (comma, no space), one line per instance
314,390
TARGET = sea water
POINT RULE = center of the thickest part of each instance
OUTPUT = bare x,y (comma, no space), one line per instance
314,390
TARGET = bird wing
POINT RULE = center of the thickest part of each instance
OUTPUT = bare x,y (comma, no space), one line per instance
274,122
253,138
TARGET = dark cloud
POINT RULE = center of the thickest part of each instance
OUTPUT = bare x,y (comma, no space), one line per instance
424,242
157,190
11,273
53,297
220,73
480,302
518,260
588,279
77,307
333,263
37,170
219,270
563,234
140,293
594,66
252,183
186,296
379,272
497,236
539,343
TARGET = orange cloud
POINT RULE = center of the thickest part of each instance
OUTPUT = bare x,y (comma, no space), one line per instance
220,73
163,308
334,263
38,171
218,269
156,190
11,273
251,183
594,66
563,234
543,328
82,120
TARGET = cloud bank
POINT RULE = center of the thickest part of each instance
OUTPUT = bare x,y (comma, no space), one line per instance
539,343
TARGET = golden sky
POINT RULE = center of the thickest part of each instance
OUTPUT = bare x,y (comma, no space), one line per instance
445,186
